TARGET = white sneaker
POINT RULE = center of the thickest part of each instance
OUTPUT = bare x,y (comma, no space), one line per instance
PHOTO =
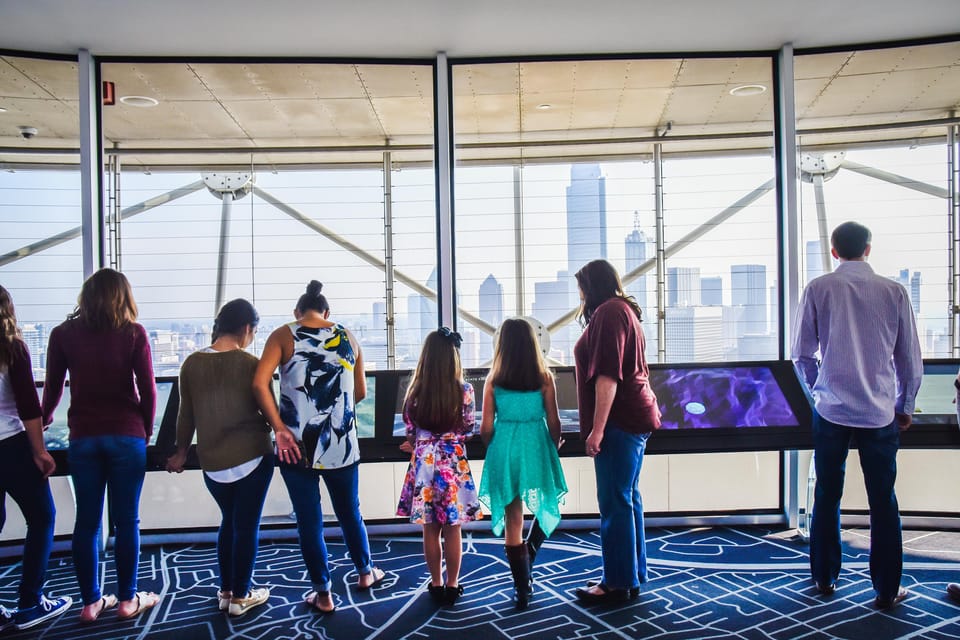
254,598
223,600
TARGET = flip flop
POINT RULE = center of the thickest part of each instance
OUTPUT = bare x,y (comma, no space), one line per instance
145,600
311,601
108,601
376,580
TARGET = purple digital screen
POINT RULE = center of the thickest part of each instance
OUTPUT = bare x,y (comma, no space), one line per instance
720,397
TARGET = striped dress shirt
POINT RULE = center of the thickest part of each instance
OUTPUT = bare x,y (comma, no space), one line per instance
870,363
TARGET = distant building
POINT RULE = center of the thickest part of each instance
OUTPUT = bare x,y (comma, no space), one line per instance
711,291
683,287
694,334
638,248
814,259
748,289
491,311
550,301
35,337
586,216
915,292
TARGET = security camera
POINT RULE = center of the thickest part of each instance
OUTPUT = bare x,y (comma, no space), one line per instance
27,132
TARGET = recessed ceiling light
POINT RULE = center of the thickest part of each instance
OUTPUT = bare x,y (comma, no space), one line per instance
748,90
3,110
139,101
544,106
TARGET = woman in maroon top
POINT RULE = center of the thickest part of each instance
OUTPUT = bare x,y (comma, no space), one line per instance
25,466
618,410
113,398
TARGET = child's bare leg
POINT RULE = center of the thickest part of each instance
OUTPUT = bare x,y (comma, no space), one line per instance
452,553
432,552
513,531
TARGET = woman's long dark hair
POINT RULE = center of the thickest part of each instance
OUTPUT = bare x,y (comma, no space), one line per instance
517,361
313,300
9,331
105,301
599,281
234,318
434,399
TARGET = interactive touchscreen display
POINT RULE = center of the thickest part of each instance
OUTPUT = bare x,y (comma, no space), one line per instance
936,400
718,397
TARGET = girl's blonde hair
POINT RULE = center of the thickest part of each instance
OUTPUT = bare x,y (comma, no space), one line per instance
105,301
434,399
517,361
9,331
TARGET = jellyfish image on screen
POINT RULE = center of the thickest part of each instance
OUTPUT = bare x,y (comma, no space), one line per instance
711,398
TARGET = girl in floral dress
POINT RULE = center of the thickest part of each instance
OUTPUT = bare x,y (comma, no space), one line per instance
438,491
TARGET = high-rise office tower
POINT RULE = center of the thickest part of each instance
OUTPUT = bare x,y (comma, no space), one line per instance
915,292
491,310
711,291
638,249
748,288
814,260
379,316
586,216
683,286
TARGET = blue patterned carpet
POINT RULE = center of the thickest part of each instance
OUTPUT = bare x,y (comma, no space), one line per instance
744,582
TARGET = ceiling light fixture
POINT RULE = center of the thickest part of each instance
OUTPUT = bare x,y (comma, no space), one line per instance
544,106
3,110
748,90
139,101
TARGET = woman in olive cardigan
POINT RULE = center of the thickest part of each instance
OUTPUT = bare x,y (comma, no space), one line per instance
234,447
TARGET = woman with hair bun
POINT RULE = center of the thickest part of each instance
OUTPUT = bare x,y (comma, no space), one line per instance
321,379
113,399
233,444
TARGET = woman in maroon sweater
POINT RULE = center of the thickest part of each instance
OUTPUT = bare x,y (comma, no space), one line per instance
618,410
113,398
25,466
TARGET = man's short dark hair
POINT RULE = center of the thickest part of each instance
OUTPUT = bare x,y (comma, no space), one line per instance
850,240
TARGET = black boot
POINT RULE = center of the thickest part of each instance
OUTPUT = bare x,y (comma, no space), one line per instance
535,538
519,560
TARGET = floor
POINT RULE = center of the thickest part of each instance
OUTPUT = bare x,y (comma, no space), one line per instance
721,582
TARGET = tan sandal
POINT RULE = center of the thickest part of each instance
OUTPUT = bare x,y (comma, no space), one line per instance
313,600
145,600
108,601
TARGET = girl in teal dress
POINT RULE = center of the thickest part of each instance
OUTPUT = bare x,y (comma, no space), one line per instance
521,428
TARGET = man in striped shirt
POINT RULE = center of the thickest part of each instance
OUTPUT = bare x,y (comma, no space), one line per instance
864,388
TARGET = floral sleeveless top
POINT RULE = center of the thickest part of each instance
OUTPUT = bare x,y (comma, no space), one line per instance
316,395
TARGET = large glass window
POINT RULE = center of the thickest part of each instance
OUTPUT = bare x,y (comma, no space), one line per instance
40,253
556,166
250,180
872,151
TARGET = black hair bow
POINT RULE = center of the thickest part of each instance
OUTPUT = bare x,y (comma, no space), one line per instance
453,336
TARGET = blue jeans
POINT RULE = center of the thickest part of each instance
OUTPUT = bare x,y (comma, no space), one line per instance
96,463
878,460
622,539
22,480
241,504
303,485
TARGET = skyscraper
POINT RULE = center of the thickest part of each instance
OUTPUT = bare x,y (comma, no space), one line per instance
683,286
586,216
711,291
814,260
915,292
748,288
636,247
491,310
